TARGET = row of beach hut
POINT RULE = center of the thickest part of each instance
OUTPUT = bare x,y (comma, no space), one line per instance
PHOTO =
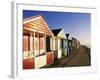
41,45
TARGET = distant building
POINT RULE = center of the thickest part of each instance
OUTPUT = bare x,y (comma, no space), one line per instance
78,43
75,43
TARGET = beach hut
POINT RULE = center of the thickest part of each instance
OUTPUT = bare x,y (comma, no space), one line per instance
37,43
60,40
69,45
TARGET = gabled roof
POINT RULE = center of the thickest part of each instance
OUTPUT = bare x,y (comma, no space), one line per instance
37,23
56,31
67,35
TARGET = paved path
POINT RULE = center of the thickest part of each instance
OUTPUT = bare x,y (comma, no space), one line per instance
79,57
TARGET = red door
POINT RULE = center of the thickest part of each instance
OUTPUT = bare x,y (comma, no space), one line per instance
50,58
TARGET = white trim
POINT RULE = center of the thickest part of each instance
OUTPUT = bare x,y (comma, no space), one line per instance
30,29
59,32
31,43
29,19
47,26
25,55
62,31
14,40
40,32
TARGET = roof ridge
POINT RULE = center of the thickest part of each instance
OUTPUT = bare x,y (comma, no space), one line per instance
57,29
32,17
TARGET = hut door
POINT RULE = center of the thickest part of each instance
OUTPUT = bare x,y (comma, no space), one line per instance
62,43
47,44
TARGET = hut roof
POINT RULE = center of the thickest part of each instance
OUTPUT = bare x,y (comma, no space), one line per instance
56,31
38,23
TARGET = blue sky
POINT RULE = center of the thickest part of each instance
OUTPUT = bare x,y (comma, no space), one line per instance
76,24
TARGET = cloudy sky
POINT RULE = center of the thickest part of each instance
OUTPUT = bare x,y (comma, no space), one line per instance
76,24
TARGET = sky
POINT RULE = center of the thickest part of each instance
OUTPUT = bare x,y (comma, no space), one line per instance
78,25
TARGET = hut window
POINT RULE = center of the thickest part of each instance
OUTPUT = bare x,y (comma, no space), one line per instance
41,42
26,41
62,43
56,45
36,44
26,44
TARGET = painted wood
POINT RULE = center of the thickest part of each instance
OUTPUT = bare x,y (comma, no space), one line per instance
40,61
39,24
55,54
25,43
62,34
28,63
50,57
